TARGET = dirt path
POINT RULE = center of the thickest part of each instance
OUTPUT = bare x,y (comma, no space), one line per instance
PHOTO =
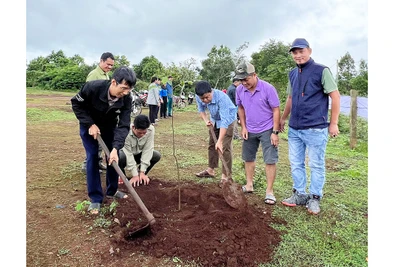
202,230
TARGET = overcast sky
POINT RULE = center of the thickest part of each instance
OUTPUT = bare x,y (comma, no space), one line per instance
176,30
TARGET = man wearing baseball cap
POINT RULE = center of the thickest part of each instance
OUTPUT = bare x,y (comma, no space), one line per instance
309,88
258,108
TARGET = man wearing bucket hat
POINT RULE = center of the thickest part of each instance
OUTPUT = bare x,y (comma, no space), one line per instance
309,88
258,108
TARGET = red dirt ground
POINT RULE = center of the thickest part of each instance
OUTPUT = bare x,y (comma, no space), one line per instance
205,229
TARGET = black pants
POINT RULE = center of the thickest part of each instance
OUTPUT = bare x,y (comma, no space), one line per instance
153,109
163,109
122,160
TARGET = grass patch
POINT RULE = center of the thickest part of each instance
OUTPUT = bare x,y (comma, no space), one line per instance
40,91
39,115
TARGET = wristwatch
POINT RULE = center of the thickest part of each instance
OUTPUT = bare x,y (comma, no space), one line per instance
275,132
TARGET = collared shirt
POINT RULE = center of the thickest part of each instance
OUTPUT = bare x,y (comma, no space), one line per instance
258,106
97,74
222,111
134,146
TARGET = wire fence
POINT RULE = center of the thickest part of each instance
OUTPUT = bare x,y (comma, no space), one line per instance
345,106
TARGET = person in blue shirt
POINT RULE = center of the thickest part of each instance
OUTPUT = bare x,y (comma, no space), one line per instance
170,95
222,115
164,97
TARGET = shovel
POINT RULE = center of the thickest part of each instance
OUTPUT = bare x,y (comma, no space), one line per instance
150,218
231,191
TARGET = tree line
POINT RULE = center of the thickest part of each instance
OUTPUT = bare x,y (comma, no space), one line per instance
272,62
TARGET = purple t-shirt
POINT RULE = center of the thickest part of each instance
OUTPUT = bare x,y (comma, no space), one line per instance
258,106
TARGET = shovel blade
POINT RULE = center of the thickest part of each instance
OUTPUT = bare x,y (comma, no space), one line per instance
137,232
234,195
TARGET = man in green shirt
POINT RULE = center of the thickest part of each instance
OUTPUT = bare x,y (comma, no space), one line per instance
100,73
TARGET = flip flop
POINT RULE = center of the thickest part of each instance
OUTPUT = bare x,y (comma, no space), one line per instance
270,199
244,189
204,174
94,208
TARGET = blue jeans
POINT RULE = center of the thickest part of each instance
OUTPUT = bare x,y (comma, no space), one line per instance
95,190
314,141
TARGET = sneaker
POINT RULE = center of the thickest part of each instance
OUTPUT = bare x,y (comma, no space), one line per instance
157,120
313,205
296,199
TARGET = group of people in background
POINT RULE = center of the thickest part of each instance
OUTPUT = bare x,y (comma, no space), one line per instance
159,99
103,106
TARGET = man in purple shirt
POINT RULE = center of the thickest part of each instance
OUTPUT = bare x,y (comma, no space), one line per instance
258,108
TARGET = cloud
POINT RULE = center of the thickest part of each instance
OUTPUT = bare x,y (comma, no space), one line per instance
176,30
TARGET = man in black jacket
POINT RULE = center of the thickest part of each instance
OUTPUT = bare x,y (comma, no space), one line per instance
104,107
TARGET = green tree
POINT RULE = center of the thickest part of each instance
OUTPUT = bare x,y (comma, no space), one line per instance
360,82
185,73
238,56
120,61
58,59
148,67
77,60
273,63
217,68
346,72
57,72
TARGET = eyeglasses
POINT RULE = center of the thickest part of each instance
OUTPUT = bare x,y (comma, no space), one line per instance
124,87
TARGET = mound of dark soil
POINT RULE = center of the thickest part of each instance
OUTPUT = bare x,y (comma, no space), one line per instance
193,223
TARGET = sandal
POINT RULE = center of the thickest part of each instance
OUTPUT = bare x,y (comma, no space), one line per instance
119,195
244,189
270,199
94,208
204,174
120,180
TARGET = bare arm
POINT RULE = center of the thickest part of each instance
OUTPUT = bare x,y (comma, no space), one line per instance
242,117
286,112
335,110
276,116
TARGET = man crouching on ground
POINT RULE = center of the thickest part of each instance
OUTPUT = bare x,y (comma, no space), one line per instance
139,150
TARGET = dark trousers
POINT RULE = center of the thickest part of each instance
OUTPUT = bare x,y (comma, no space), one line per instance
163,109
122,160
95,191
153,113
